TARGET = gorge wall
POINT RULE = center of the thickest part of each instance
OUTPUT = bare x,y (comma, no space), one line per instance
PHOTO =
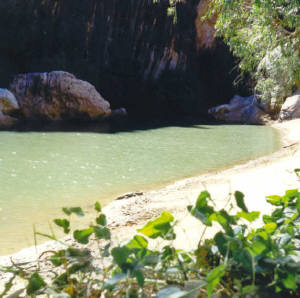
132,51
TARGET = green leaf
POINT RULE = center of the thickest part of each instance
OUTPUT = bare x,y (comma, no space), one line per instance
58,258
36,283
249,216
239,198
202,199
229,219
159,227
168,253
63,223
221,243
139,277
82,236
101,220
98,207
202,210
262,234
224,219
290,230
290,282
138,242
61,280
216,273
82,266
277,289
298,205
213,278
268,218
76,252
292,193
274,200
270,227
66,211
120,255
258,246
76,210
102,233
243,257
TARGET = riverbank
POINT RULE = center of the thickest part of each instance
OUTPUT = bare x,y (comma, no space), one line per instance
267,175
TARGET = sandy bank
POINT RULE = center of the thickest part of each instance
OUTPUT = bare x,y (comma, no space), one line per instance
267,175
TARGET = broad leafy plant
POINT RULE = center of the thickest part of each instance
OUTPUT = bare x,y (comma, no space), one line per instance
238,261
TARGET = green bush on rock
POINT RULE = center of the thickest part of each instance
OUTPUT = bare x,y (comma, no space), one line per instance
238,261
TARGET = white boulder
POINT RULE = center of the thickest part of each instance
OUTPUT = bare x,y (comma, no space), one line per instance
291,107
8,106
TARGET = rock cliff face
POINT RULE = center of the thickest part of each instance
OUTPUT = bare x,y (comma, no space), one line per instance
58,95
133,52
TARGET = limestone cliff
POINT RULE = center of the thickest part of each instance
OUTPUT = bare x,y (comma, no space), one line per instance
131,51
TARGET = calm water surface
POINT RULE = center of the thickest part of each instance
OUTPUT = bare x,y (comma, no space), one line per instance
40,172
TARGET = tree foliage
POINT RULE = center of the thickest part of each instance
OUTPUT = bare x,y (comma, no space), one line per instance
265,36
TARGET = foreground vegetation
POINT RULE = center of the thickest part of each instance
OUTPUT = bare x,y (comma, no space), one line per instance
238,261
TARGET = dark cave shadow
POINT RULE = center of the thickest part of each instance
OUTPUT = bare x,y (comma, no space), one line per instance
106,127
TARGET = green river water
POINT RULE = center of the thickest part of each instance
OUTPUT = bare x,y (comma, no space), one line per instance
40,172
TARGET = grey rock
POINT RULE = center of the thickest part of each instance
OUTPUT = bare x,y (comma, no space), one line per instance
119,113
246,110
58,95
291,107
8,106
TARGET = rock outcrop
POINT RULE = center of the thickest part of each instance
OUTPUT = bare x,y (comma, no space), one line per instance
8,107
58,95
291,107
247,110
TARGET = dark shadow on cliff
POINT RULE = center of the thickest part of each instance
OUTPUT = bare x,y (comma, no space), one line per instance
131,51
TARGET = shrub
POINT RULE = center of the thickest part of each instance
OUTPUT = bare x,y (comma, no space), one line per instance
237,261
